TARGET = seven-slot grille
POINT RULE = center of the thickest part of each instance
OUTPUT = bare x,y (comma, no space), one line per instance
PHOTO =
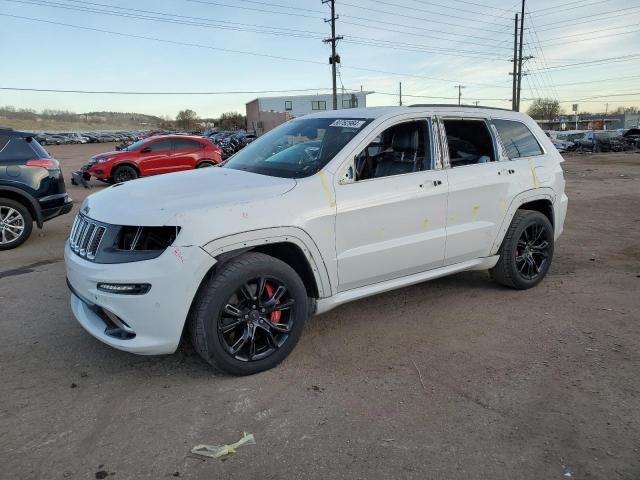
86,236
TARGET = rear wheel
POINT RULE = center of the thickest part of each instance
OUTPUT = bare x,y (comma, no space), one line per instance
526,251
249,316
16,224
124,173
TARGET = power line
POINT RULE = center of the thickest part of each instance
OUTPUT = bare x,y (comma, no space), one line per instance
439,37
602,61
586,39
559,10
111,92
241,52
600,16
367,41
448,7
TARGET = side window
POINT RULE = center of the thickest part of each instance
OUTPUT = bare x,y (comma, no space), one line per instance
403,148
15,148
164,144
318,105
288,105
469,142
517,139
186,144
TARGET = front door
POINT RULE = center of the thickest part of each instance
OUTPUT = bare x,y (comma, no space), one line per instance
155,157
391,220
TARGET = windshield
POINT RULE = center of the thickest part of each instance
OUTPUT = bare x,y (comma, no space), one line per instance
298,148
136,145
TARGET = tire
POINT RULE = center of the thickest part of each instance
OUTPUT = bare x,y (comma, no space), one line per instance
220,294
205,164
124,173
16,224
525,260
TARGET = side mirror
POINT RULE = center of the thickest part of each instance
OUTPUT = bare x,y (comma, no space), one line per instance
145,150
347,175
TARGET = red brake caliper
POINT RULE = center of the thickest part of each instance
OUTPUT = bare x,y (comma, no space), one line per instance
275,316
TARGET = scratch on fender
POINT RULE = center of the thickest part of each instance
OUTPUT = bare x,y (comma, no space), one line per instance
178,254
327,190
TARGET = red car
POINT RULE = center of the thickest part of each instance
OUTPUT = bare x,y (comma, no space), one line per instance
151,156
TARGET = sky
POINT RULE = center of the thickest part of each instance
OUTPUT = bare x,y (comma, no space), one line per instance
585,52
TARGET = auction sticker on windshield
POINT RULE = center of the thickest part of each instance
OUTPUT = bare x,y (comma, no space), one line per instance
348,123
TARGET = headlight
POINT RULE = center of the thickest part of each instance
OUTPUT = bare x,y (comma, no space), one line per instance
146,238
103,159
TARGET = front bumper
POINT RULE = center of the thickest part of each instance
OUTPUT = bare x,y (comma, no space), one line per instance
157,318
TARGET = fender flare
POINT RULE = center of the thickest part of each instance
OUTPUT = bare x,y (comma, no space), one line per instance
541,193
35,206
295,235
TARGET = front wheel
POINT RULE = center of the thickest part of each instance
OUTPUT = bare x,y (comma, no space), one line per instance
526,251
16,224
124,173
249,316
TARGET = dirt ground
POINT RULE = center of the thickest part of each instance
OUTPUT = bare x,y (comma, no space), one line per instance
453,379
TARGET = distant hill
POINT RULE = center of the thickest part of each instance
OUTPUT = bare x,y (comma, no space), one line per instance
60,120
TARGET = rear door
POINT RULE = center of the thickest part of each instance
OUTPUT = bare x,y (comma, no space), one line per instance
481,187
155,157
186,153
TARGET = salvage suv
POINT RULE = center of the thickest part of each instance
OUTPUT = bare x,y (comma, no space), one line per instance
325,209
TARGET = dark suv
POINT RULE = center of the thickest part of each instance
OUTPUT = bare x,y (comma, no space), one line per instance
31,187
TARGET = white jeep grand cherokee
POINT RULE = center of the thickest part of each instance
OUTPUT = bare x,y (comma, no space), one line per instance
325,209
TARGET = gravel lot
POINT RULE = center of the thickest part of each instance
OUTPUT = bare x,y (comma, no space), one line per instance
454,379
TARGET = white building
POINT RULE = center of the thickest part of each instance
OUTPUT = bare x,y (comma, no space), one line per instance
266,113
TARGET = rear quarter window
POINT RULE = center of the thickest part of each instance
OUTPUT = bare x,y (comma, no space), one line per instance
20,149
517,139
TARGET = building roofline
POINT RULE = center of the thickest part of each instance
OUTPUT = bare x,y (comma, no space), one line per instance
364,92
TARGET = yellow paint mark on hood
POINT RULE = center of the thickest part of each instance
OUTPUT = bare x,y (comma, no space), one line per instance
327,189
474,212
425,223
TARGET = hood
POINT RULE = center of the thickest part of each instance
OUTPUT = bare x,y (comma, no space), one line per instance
114,153
155,201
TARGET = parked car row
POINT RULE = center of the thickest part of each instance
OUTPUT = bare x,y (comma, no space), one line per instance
230,142
595,140
45,138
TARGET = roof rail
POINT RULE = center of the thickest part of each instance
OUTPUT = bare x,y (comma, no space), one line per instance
456,105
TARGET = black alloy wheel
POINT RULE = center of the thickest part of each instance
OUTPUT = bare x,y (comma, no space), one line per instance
256,320
532,251
249,315
124,173
526,251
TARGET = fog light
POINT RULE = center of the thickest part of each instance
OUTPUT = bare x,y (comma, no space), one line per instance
125,288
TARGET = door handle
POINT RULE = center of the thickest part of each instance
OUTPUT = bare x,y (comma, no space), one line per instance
509,171
435,183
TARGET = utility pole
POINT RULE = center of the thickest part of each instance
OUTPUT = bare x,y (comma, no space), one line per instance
459,87
400,93
515,66
335,58
476,103
520,58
